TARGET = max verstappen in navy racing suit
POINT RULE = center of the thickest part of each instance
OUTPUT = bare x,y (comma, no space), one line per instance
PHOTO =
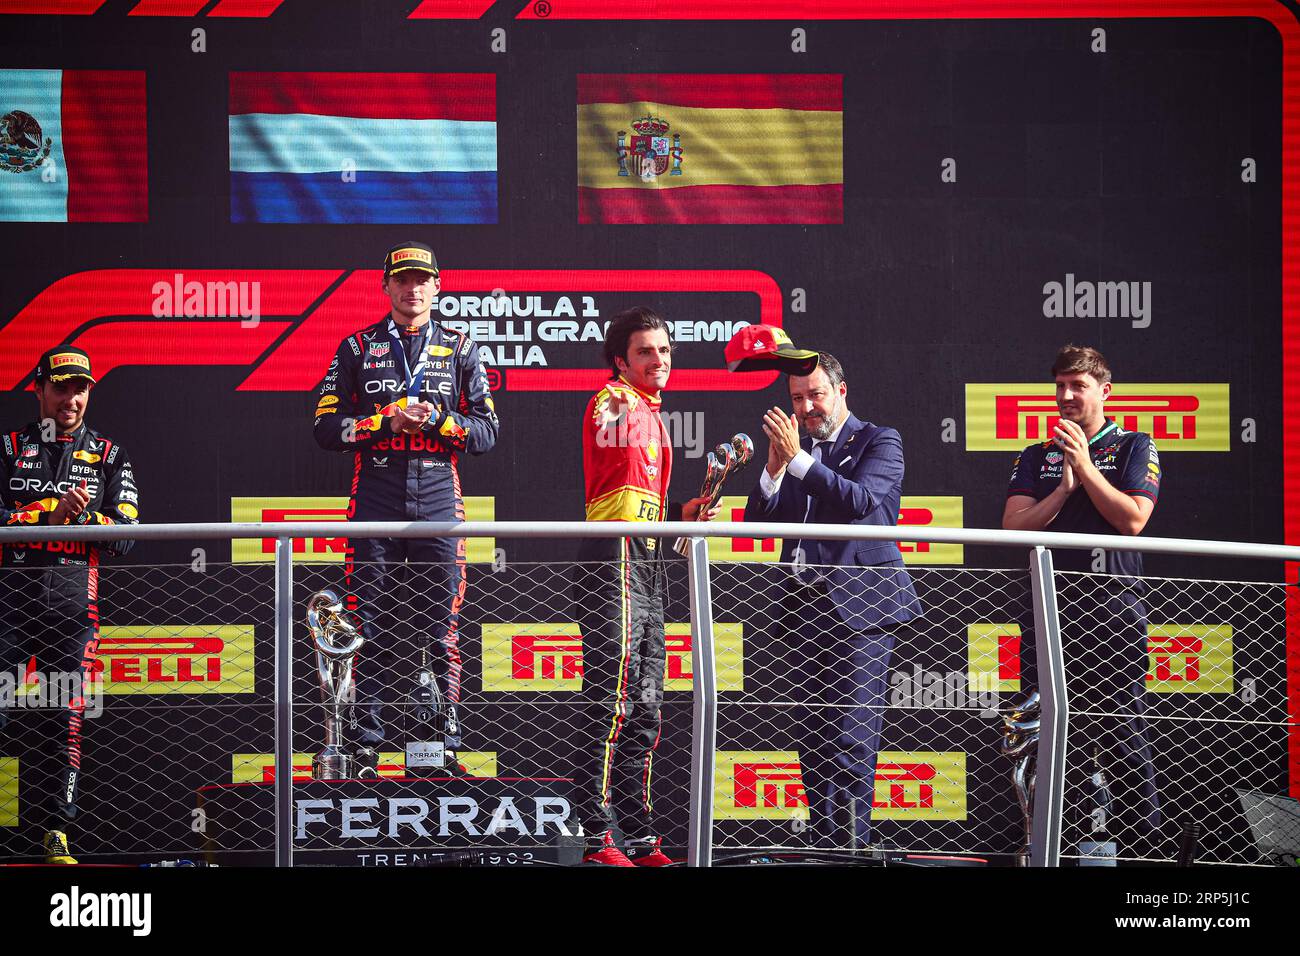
57,471
619,595
406,396
1093,477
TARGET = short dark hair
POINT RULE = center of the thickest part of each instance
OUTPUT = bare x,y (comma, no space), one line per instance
1081,358
623,325
831,366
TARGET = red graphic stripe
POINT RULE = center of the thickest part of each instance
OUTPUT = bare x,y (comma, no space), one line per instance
450,10
59,7
245,8
105,145
817,205
792,91
594,379
413,96
168,8
451,641
889,10
298,364
67,306
218,342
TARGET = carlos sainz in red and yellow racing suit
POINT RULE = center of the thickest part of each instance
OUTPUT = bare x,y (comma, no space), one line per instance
619,595
406,475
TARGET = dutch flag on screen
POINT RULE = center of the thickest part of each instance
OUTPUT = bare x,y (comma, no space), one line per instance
363,147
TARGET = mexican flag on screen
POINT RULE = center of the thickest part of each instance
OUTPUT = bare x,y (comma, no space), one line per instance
710,148
73,146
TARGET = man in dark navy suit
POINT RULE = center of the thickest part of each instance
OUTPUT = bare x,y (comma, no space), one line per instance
846,597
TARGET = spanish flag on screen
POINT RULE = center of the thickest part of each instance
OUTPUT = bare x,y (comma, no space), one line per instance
710,148
73,146
363,147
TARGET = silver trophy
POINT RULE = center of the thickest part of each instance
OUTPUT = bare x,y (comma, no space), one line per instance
337,638
723,462
1020,743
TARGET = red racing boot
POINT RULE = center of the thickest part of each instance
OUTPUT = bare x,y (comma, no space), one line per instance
649,852
606,853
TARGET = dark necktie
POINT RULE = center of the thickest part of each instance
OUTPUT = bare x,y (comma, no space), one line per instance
811,549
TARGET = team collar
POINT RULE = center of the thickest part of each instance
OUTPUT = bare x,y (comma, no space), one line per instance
654,400
1103,431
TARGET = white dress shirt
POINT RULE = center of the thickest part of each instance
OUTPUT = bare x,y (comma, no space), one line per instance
800,463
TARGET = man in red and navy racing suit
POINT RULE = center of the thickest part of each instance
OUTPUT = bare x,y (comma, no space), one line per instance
619,594
406,396
1093,477
58,471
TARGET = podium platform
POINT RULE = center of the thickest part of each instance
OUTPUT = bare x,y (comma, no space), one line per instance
397,821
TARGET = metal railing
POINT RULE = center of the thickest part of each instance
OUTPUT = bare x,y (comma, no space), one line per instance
751,687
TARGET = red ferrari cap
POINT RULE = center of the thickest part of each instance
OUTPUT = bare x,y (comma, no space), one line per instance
758,347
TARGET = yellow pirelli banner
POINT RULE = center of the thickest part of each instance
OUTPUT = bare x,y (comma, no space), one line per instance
1178,416
993,657
769,785
918,511
176,658
1189,659
1181,658
8,791
332,549
524,656
920,785
934,511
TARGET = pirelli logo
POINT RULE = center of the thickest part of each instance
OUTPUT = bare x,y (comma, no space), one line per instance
920,785
548,657
993,657
64,359
176,658
260,768
741,549
1179,416
932,511
8,791
758,785
910,785
407,255
331,549
1189,659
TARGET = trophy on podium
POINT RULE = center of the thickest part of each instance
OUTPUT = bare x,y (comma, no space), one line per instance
432,729
723,462
336,635
1020,730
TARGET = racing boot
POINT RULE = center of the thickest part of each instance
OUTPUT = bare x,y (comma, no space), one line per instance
605,852
648,851
56,848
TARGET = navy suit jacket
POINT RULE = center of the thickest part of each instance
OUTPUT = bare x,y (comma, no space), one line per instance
858,481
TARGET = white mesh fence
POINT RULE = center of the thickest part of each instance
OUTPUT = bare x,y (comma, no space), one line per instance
840,725
1178,705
